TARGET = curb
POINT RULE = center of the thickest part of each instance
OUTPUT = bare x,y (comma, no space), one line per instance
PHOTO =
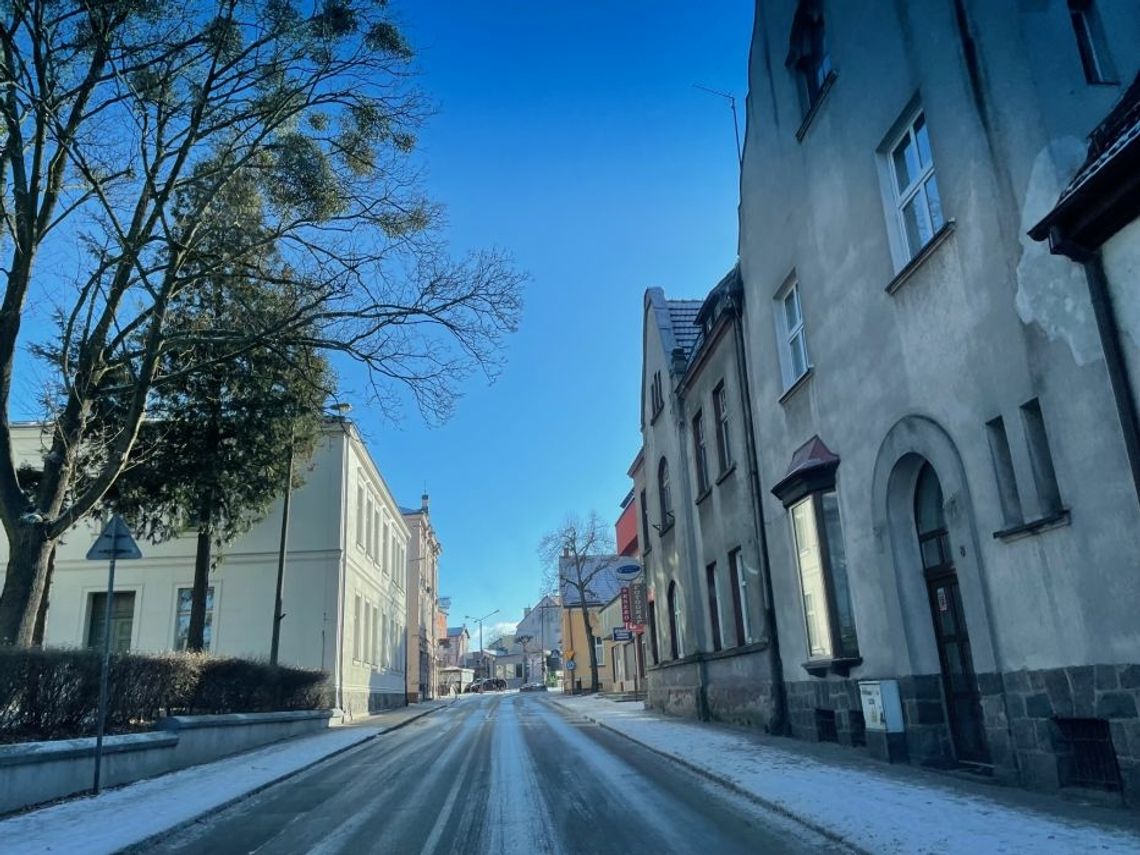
728,784
142,845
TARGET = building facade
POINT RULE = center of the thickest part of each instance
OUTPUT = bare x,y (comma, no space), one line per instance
454,647
543,623
343,592
710,647
422,588
948,502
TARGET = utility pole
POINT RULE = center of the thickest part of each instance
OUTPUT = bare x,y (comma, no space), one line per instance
479,620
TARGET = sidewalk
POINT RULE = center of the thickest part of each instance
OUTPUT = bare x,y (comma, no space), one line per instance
127,816
868,805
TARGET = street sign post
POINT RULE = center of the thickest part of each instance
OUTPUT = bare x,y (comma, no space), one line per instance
638,604
114,542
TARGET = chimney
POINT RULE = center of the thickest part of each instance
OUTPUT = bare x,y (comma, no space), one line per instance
424,502
565,551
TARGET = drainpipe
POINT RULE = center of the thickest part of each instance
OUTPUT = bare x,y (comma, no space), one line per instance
779,721
1122,394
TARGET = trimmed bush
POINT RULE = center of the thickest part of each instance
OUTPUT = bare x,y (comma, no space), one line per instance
53,693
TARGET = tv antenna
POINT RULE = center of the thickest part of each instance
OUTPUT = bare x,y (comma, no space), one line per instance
732,106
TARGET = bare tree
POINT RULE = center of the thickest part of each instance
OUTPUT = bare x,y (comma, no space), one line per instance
577,556
136,136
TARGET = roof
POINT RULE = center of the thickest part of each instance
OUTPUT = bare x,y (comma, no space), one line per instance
410,511
683,314
1082,216
453,631
603,587
812,463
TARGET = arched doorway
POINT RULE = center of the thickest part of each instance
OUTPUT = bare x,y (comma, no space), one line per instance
959,683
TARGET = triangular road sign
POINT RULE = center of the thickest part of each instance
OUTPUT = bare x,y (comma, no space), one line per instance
115,541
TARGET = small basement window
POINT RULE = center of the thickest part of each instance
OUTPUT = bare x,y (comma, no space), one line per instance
825,727
1085,755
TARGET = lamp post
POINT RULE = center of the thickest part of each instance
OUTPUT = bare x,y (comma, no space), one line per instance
479,620
341,409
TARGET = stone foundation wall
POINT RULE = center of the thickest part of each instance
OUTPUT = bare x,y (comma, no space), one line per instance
1037,699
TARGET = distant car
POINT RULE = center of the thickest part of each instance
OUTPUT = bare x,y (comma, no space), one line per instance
533,687
498,685
476,686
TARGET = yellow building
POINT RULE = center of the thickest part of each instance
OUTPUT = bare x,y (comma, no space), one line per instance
577,643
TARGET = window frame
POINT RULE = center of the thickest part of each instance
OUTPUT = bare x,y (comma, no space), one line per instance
896,200
786,336
715,618
720,410
1092,46
835,650
664,496
700,453
673,603
741,620
600,651
208,630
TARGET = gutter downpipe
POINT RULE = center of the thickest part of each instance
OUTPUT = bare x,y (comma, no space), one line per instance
779,722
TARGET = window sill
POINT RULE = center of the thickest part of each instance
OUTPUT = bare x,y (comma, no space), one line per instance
663,529
653,418
795,387
841,666
725,474
938,238
704,495
828,82
1057,519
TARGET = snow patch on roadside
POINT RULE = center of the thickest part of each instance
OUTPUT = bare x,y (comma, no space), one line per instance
875,812
122,817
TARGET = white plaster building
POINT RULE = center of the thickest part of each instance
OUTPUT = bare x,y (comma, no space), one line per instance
344,598
424,550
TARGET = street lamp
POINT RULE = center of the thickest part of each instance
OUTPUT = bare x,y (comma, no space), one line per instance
341,410
479,620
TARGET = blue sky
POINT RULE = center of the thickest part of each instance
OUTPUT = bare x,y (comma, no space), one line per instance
571,135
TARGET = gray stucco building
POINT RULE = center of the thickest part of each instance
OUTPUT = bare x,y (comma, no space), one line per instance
945,465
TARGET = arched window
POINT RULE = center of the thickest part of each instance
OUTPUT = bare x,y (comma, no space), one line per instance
930,520
665,496
674,602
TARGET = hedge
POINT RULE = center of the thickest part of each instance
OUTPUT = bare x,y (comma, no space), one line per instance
53,693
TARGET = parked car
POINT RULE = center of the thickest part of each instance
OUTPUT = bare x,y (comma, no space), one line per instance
476,686
498,685
533,687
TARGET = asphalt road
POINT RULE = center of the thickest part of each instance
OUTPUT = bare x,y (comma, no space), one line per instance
505,774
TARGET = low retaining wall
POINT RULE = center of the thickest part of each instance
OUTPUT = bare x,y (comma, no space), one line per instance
36,772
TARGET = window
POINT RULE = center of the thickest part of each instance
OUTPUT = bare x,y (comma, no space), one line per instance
122,620
386,558
360,516
714,605
377,555
370,547
808,57
665,496
599,652
822,565
644,508
657,399
182,618
699,455
1041,459
357,629
518,670
653,632
674,603
720,407
739,599
1003,472
916,202
793,343
1091,44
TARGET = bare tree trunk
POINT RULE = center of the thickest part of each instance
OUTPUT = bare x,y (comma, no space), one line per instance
196,635
41,618
589,642
24,584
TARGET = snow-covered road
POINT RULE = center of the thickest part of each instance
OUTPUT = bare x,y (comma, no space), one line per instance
504,774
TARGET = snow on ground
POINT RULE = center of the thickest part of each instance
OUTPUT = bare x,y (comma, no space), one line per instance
128,815
873,811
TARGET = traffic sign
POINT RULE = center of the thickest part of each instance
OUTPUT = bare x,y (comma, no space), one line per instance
571,664
623,634
114,542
